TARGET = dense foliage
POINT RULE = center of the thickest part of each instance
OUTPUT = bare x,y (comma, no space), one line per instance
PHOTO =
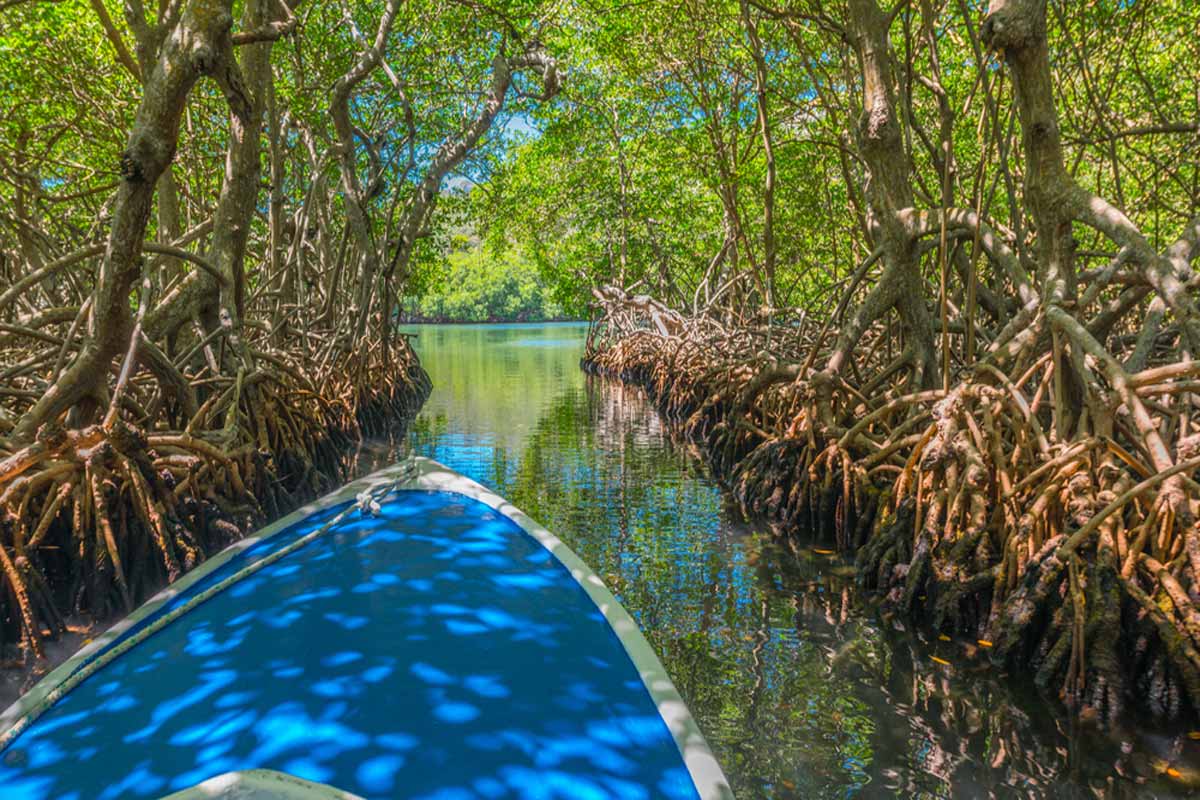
656,163
473,285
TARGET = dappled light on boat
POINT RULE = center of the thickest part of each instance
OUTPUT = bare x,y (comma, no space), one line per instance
434,651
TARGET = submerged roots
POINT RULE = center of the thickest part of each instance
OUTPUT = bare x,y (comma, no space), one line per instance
997,511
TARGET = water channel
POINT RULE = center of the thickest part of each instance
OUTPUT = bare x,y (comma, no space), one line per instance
802,688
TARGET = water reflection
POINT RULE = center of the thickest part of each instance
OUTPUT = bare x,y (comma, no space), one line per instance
800,690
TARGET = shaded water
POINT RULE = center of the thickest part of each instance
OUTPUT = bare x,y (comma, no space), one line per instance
801,690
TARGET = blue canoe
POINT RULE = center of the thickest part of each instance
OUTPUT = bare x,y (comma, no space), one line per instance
413,635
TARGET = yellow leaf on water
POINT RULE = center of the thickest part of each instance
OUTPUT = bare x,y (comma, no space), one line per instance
823,552
1174,773
1194,735
943,637
941,661
788,784
984,643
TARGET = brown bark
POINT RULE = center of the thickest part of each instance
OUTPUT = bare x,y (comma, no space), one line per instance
357,215
890,196
764,128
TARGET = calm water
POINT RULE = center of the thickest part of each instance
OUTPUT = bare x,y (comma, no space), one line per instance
800,690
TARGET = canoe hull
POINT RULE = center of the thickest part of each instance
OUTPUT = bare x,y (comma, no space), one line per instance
448,647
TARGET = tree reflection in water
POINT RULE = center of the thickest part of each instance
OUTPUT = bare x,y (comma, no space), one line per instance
800,687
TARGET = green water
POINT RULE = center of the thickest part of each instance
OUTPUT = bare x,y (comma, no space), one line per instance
799,689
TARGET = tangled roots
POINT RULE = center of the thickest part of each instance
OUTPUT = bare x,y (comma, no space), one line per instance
985,512
93,520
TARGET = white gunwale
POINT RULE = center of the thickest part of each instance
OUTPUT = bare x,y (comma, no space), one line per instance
429,475
260,784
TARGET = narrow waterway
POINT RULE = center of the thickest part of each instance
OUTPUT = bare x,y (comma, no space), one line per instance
800,689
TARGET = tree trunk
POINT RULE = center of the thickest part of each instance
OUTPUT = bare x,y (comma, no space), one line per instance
889,196
191,50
